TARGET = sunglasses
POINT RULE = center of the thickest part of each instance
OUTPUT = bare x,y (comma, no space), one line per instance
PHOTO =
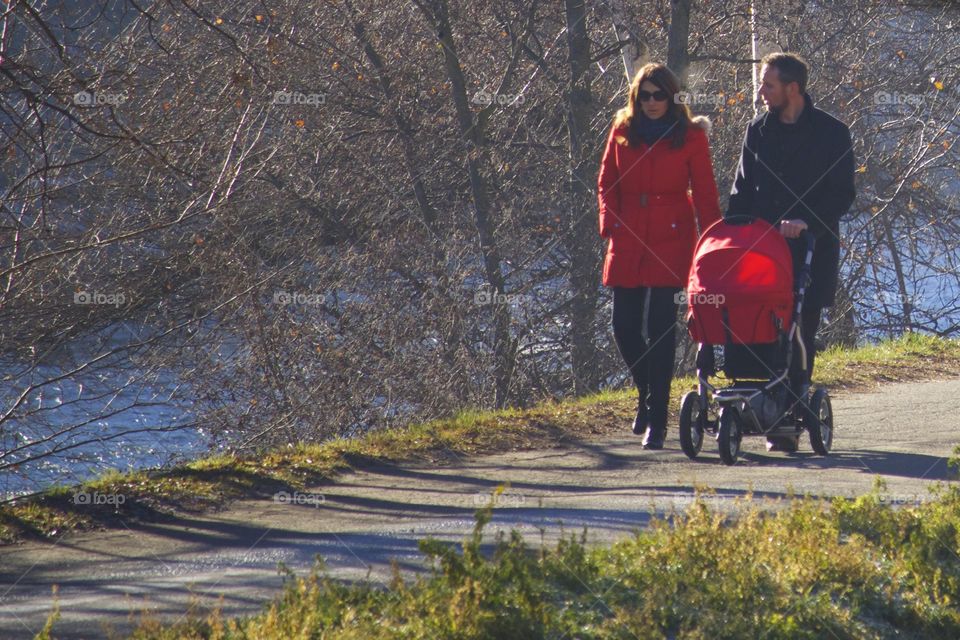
659,95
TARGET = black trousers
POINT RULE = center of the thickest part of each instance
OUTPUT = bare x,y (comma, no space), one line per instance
650,355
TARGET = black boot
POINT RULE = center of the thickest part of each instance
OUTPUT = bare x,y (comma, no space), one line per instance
640,422
654,437
657,433
786,444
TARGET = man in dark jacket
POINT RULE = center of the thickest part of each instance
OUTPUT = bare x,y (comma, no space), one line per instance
796,172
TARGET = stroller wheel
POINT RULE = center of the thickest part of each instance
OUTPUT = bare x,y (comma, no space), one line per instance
819,422
729,435
691,424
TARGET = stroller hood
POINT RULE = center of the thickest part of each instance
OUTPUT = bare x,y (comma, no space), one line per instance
740,287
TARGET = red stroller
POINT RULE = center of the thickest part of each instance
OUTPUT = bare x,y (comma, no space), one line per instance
742,297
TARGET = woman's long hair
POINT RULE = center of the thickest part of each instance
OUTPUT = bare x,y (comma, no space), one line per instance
660,75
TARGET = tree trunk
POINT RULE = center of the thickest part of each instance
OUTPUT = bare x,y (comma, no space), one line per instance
636,53
504,347
583,246
427,212
678,57
904,296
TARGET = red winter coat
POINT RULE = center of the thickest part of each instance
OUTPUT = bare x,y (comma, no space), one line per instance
646,212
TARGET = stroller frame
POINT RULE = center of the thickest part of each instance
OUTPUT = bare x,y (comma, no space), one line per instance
745,407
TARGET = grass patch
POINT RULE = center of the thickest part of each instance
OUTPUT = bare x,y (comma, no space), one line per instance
815,569
911,357
213,481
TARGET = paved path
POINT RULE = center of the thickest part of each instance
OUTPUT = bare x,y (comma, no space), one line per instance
903,432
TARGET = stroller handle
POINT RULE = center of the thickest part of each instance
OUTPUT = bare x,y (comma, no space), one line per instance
803,278
808,238
805,235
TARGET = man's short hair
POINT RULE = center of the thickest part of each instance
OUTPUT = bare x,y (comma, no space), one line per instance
790,68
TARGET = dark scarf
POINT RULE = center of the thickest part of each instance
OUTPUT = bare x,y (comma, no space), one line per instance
652,130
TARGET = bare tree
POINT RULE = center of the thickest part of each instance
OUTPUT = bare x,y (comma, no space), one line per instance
250,224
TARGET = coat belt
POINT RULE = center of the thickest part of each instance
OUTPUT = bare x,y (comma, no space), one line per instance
675,197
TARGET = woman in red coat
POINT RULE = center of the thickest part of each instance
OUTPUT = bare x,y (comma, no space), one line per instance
655,186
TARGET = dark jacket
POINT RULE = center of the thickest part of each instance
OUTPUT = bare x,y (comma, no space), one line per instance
801,171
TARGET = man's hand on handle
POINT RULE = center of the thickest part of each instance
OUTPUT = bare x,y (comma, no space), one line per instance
792,228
